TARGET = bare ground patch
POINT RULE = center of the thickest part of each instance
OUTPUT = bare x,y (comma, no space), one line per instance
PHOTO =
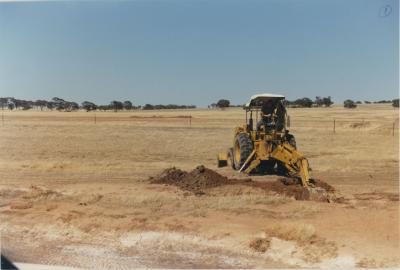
201,179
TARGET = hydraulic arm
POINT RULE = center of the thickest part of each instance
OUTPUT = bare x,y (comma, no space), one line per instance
294,161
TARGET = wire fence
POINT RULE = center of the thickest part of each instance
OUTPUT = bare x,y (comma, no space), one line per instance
334,124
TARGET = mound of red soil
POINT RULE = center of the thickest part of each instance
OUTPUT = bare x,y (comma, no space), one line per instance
324,185
195,181
202,178
292,188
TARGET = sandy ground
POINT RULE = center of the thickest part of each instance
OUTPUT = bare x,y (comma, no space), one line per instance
75,192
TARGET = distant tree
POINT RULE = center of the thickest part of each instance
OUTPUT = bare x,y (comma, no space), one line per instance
367,102
223,103
318,101
3,103
350,104
89,106
128,105
57,99
73,106
148,107
395,103
50,105
358,102
11,106
17,103
159,107
59,106
383,101
104,107
21,104
58,103
26,104
303,102
40,103
327,101
116,105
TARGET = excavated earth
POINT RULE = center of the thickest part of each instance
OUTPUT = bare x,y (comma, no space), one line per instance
197,181
201,179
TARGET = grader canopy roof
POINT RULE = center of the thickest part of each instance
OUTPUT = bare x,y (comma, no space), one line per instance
258,100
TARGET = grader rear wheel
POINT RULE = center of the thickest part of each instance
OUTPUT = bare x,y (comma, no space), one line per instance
242,149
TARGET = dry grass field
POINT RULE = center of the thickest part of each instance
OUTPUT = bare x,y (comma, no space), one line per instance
75,191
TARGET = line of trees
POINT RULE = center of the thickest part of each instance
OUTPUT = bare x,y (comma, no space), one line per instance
60,104
306,102
350,104
298,103
168,107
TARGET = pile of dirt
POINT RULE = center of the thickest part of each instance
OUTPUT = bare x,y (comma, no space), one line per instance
260,244
292,187
202,178
195,181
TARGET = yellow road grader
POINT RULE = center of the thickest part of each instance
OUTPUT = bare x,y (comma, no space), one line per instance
268,146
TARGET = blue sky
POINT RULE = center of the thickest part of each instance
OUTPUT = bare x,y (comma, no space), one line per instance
196,52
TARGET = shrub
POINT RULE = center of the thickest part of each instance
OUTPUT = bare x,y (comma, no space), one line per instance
128,105
116,105
303,102
323,101
223,103
89,106
350,104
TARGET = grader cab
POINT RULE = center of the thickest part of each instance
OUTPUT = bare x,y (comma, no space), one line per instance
263,144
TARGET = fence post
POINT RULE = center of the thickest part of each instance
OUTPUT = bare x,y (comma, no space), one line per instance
334,125
393,128
190,121
95,120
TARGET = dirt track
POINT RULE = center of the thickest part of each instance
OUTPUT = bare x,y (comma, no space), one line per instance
78,194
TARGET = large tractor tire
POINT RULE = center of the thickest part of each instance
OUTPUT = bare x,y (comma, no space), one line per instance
241,150
291,140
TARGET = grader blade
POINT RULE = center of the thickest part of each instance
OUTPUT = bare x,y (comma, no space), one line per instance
222,159
314,194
